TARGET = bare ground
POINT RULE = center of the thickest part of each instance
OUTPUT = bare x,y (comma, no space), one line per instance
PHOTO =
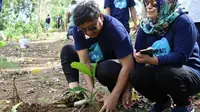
40,81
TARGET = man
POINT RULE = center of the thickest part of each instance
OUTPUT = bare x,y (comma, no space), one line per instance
58,21
48,20
70,21
120,10
100,38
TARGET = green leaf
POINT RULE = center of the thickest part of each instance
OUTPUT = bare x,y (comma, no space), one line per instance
14,108
7,64
76,89
82,68
2,43
93,66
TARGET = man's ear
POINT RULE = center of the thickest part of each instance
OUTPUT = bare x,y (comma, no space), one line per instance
101,16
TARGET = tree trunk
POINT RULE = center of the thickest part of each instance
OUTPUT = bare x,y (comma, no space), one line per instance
38,23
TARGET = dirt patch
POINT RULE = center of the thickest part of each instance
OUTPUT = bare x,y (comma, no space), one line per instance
56,108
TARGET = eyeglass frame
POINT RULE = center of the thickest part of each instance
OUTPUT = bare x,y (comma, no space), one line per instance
92,27
152,2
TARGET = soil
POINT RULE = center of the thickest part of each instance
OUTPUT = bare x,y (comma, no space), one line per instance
40,81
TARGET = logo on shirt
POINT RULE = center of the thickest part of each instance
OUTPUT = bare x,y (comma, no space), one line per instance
120,4
95,53
161,47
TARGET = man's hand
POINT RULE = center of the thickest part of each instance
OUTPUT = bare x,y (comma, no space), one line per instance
99,96
110,103
126,99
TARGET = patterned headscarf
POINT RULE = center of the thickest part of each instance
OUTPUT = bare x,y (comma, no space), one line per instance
168,11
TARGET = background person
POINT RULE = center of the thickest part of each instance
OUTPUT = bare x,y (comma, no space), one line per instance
120,10
70,21
48,20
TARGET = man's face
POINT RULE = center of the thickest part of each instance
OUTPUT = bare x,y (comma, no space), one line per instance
92,28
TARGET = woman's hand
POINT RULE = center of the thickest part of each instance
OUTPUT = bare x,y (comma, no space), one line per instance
142,58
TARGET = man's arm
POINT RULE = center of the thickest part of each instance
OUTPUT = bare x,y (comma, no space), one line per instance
110,102
127,67
84,58
107,10
133,17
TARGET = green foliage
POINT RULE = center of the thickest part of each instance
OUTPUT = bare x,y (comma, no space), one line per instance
86,71
75,89
82,68
2,43
6,64
3,62
19,17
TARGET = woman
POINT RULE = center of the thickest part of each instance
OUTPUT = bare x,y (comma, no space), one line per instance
173,70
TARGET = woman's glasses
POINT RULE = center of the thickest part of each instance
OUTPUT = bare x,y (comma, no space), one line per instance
152,2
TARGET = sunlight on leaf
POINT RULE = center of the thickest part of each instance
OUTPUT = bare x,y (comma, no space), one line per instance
30,60
59,55
8,64
82,68
14,108
93,66
134,96
2,43
36,71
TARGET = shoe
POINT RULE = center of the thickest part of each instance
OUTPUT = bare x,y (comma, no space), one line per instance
187,108
69,98
161,107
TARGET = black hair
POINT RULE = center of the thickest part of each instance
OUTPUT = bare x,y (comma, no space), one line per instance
86,11
73,2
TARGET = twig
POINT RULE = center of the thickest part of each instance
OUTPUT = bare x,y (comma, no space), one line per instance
75,110
81,108
15,98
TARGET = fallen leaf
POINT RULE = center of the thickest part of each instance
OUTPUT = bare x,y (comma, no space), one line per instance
36,71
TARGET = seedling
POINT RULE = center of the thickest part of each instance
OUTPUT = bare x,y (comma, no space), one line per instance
86,71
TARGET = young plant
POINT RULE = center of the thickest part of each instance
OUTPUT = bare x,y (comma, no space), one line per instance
86,71
3,62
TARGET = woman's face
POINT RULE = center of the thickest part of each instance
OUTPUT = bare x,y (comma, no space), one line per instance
151,8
